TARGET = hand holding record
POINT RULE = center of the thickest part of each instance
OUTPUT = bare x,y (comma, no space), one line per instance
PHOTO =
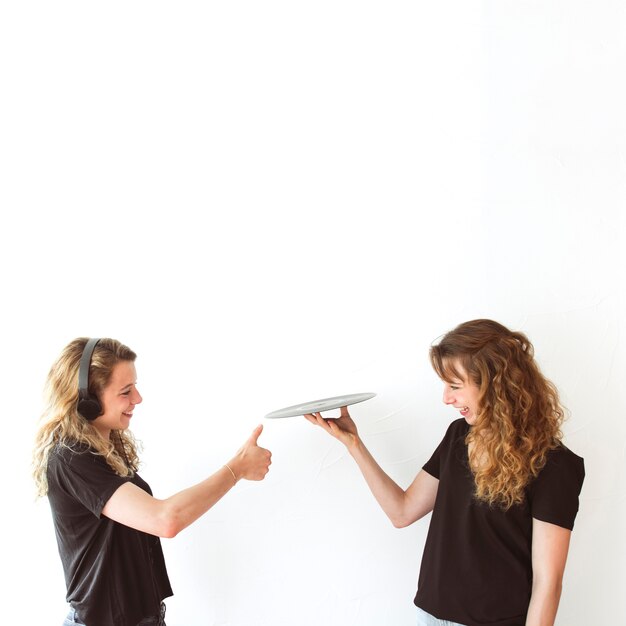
342,428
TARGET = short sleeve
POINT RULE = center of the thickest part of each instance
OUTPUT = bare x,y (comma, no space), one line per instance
84,476
553,495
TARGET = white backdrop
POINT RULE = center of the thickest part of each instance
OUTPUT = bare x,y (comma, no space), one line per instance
272,202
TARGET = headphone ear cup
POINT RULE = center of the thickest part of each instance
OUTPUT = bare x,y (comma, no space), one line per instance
89,408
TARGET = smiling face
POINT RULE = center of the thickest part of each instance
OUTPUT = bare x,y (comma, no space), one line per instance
462,394
118,399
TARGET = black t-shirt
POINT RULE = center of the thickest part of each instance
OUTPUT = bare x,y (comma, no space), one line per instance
115,575
477,567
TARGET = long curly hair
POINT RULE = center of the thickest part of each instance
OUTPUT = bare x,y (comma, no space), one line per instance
519,413
61,424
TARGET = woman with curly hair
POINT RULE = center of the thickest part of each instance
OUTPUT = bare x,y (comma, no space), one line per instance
106,520
502,487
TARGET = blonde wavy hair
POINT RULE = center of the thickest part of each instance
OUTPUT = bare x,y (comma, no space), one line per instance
519,416
61,424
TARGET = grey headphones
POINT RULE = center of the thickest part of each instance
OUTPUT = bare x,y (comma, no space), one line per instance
88,405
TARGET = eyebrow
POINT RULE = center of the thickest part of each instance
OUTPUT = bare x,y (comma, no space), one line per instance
128,386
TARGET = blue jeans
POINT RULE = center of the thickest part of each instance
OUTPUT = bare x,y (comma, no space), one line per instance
426,619
158,620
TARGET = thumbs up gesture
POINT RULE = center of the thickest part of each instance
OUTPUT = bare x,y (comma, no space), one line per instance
252,462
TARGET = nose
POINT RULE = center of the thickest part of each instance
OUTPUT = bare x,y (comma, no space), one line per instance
448,396
136,399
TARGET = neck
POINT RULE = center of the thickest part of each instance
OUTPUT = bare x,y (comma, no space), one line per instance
105,433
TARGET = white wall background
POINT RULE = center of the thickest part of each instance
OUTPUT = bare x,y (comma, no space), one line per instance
277,201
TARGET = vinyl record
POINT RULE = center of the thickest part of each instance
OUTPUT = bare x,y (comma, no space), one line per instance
317,406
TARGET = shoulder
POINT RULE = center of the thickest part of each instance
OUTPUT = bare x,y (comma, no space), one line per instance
69,451
455,434
76,457
459,425
65,451
458,429
562,461
453,443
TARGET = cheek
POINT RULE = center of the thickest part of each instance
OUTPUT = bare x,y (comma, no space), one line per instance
105,403
116,404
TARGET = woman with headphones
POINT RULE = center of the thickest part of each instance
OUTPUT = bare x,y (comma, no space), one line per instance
107,522
502,488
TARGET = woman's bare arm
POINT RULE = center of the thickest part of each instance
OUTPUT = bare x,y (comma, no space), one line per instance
549,555
402,507
132,506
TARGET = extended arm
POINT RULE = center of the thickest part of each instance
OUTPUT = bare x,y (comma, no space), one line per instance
549,554
134,507
401,507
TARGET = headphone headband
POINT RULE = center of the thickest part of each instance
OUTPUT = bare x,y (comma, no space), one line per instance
88,406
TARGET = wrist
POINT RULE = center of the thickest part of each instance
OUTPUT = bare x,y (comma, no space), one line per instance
233,468
355,446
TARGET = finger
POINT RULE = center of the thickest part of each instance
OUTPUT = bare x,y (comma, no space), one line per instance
344,411
254,437
321,420
317,420
310,418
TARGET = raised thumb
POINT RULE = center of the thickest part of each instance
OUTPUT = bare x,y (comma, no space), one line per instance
256,434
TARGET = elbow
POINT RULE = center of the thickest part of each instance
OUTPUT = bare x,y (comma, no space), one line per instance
406,517
170,524
169,531
401,522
